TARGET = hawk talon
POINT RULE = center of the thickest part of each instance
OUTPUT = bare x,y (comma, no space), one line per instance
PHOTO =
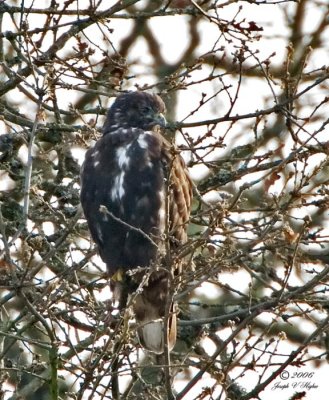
118,276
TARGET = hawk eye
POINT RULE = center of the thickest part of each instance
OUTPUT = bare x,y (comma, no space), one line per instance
147,110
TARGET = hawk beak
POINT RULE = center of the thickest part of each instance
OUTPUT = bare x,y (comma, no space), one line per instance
160,120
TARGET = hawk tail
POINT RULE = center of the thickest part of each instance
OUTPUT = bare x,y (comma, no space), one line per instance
151,328
149,307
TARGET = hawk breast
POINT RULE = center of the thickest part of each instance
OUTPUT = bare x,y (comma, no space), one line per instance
123,196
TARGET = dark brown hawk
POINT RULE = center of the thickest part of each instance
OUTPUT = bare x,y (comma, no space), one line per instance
135,192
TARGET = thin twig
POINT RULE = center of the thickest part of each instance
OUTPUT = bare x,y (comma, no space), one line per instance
103,209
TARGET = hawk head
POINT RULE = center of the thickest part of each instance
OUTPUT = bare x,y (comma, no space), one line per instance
135,110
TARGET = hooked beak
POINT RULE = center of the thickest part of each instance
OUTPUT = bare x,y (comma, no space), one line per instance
159,119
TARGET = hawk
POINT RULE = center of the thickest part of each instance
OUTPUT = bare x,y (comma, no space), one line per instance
136,195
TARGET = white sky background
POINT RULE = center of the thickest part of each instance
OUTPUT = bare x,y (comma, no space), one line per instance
172,32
